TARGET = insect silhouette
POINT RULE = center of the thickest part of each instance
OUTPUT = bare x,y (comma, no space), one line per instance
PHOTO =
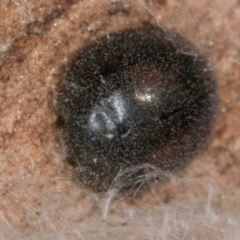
133,97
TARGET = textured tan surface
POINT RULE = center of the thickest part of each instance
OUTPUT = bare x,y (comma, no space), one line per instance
37,40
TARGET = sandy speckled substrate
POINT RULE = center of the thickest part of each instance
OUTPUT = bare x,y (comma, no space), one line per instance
39,195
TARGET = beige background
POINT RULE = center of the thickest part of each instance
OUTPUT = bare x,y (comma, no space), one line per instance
40,198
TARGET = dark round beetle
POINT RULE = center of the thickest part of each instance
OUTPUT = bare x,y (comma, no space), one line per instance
134,97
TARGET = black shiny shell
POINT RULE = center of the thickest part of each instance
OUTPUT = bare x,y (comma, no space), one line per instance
134,97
